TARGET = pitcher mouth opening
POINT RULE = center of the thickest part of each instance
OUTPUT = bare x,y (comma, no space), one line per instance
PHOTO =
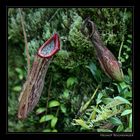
50,47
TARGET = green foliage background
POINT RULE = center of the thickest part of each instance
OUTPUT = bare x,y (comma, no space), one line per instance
66,104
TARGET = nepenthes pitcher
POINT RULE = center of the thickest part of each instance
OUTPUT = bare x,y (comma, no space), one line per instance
34,84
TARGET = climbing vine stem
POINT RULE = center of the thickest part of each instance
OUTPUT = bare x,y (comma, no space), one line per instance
26,42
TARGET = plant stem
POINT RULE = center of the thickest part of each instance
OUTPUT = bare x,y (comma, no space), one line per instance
119,55
53,15
26,43
88,102
48,98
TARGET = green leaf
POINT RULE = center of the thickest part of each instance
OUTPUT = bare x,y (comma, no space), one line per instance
20,73
126,112
107,100
53,122
96,73
82,123
54,130
126,57
116,121
125,46
71,81
128,94
63,108
122,86
98,100
18,70
130,73
93,114
129,41
92,68
17,88
46,118
128,129
40,110
128,49
117,101
47,130
130,36
122,100
122,59
66,94
104,130
53,103
130,121
20,77
120,128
